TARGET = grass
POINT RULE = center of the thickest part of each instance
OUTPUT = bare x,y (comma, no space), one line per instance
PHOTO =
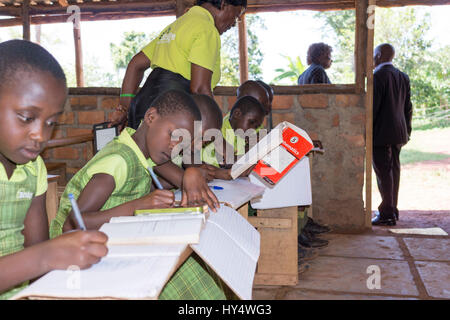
422,187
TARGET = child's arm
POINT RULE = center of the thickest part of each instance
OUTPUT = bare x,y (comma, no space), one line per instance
170,172
36,222
98,190
196,191
82,248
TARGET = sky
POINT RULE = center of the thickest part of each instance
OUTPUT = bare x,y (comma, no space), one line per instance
288,33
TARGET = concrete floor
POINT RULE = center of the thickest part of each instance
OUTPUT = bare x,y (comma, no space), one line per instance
410,267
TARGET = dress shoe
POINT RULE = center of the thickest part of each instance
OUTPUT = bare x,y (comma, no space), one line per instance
378,221
377,213
307,240
314,227
306,254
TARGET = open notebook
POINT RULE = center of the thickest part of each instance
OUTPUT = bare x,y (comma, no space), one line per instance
139,264
233,193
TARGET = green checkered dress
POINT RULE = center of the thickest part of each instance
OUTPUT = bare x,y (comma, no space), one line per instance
15,200
193,280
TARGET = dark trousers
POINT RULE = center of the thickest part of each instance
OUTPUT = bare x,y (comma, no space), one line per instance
386,164
159,81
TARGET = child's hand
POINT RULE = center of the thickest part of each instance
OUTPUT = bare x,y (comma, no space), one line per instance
157,199
208,171
221,173
196,191
80,248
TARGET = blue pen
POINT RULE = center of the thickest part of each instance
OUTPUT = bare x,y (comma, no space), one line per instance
155,178
77,212
216,188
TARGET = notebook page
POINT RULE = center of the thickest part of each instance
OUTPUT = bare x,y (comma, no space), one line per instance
152,250
230,245
157,217
121,278
153,232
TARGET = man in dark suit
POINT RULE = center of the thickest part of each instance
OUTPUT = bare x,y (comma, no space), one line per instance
392,114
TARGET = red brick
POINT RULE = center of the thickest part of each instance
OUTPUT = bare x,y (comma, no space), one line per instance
313,135
360,178
347,100
109,102
57,133
77,132
83,102
65,153
280,117
310,117
355,140
335,120
282,102
90,117
359,118
66,118
313,100
358,160
46,154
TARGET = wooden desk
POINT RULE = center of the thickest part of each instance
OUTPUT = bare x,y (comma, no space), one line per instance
52,197
278,260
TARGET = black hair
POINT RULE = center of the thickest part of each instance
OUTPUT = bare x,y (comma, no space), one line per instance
25,56
176,101
267,87
247,104
217,3
316,50
209,109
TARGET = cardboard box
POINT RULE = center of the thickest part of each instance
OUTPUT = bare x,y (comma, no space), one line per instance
276,153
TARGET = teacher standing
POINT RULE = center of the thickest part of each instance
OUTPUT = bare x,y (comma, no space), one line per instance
185,56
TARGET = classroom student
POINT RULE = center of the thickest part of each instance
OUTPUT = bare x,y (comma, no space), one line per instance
116,182
171,173
32,95
271,93
247,113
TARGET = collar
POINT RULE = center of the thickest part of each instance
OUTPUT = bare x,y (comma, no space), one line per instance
125,138
382,65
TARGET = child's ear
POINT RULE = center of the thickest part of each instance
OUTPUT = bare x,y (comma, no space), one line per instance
151,115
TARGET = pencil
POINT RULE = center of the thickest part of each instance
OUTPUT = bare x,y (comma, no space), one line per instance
155,178
77,212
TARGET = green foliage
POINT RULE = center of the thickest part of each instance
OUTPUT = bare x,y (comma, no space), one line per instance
294,69
412,156
230,52
406,29
132,42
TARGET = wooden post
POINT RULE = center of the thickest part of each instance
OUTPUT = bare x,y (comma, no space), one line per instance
360,44
243,50
26,21
78,53
369,109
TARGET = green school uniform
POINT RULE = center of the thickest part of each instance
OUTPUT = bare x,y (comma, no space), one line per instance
26,182
191,280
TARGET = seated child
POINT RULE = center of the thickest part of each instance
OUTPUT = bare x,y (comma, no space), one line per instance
116,182
247,113
33,92
176,174
258,90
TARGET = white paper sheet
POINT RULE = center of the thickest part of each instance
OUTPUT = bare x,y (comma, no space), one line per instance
231,246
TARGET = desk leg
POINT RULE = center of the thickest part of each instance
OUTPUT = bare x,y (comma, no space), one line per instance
278,260
52,200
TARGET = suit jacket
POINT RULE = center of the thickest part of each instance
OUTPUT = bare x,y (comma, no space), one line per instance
314,74
392,108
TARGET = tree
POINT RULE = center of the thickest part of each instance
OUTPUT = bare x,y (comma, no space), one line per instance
406,29
294,69
132,42
230,52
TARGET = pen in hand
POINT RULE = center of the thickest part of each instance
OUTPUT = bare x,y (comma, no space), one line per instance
155,178
77,212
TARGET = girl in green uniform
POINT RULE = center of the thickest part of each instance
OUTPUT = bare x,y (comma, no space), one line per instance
116,182
32,96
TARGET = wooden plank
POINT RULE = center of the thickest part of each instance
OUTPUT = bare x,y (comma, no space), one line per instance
78,54
26,20
275,279
243,211
67,141
369,114
258,222
360,45
279,255
243,49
